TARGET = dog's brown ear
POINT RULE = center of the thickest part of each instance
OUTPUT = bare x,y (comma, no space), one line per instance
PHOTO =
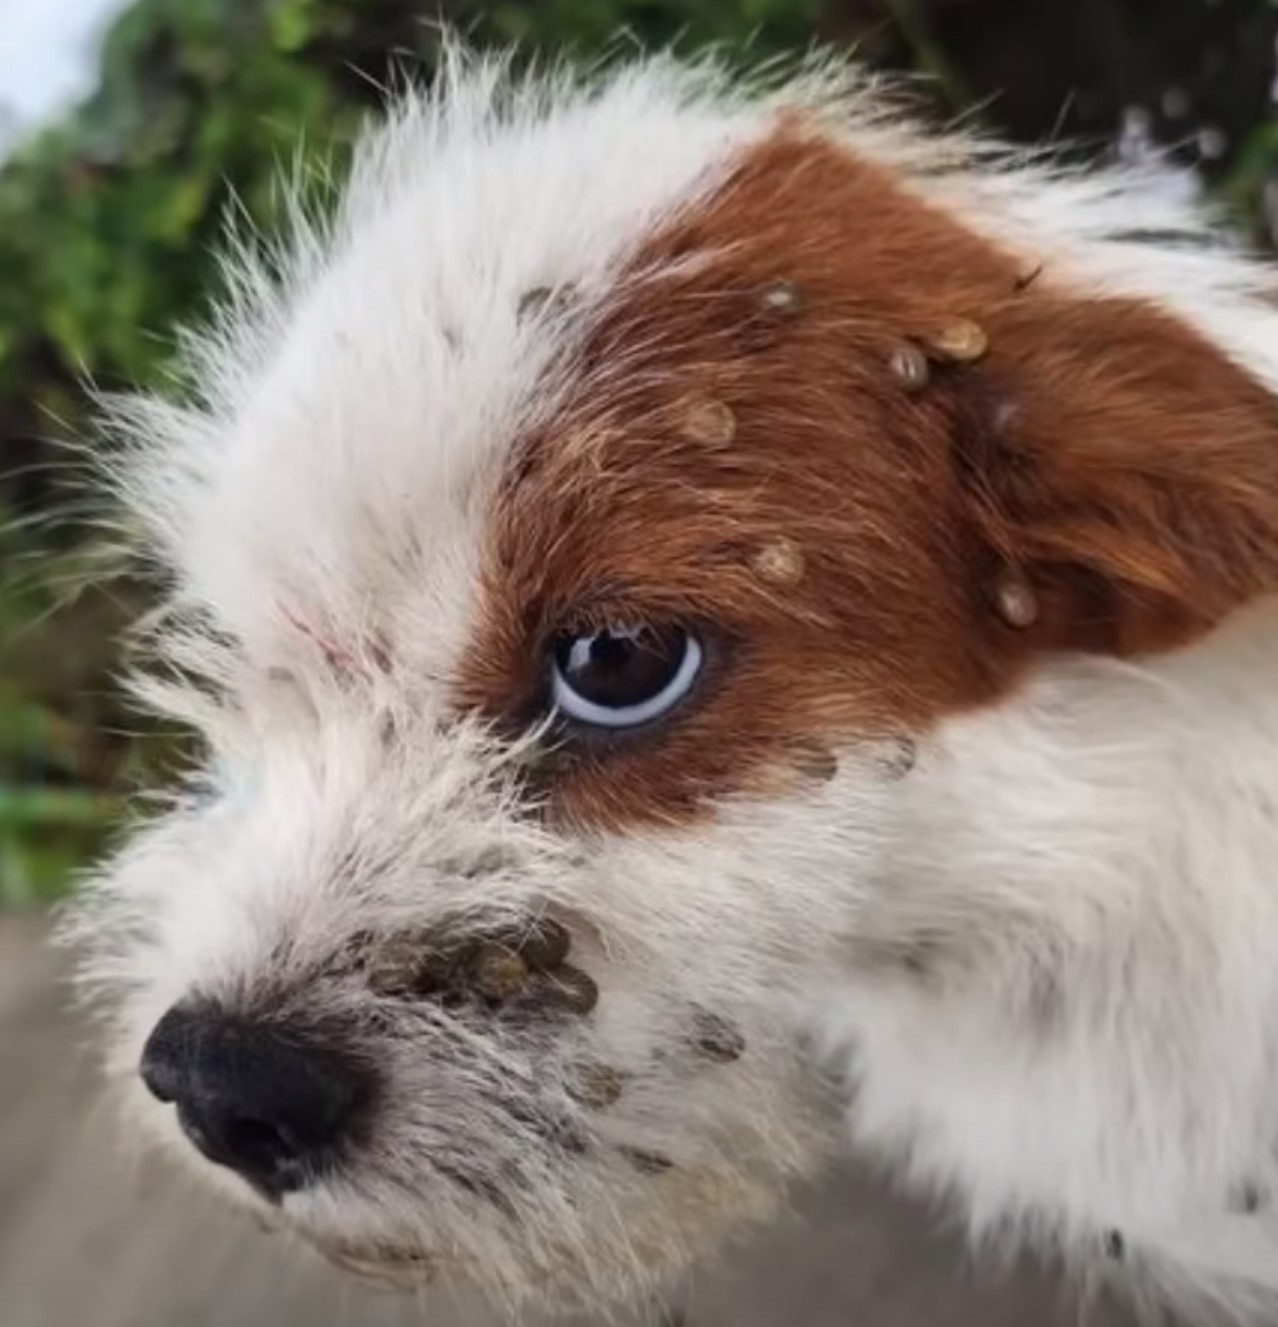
1121,473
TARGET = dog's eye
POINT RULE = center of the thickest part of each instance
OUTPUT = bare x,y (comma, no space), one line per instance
625,675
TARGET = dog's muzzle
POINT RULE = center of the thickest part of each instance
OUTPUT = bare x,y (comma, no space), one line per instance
477,1097
281,1101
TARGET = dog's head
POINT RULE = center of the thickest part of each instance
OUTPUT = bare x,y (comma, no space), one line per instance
573,547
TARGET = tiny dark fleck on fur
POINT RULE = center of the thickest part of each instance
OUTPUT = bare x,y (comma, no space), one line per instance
647,1163
1023,283
815,761
1247,1199
544,301
899,757
597,1086
716,1039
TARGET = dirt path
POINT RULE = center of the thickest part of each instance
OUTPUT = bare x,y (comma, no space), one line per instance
84,1241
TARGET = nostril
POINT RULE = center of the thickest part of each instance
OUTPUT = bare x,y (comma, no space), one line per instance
265,1100
259,1144
247,1139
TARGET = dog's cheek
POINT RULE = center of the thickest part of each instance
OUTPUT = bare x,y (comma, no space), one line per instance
767,891
596,1155
664,1160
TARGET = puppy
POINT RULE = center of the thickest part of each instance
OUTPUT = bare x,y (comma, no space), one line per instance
724,626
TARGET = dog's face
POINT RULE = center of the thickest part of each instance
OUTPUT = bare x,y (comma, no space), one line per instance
571,561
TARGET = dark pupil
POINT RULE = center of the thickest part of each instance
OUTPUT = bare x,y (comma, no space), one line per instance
620,666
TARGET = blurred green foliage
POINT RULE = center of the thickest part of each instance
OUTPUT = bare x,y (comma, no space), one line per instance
60,770
109,222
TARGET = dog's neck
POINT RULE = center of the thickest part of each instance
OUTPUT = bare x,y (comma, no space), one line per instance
1107,795
1121,817
1084,902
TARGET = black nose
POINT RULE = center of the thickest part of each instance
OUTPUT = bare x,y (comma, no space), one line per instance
276,1108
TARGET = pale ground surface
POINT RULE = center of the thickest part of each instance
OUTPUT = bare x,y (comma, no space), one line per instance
87,1242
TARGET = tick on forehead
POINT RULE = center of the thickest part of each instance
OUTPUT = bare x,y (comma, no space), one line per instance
784,463
718,464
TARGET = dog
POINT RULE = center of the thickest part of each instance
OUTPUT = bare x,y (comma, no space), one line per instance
725,624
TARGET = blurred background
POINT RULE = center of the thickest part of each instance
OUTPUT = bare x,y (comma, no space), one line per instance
125,130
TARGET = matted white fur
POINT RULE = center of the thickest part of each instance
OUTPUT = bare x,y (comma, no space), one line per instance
1097,862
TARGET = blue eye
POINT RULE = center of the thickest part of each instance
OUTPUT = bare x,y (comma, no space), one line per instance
624,676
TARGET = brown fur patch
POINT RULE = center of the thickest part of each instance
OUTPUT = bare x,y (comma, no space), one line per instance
1098,446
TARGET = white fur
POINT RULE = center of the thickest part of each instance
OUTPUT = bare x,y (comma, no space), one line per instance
1086,875
1108,1058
